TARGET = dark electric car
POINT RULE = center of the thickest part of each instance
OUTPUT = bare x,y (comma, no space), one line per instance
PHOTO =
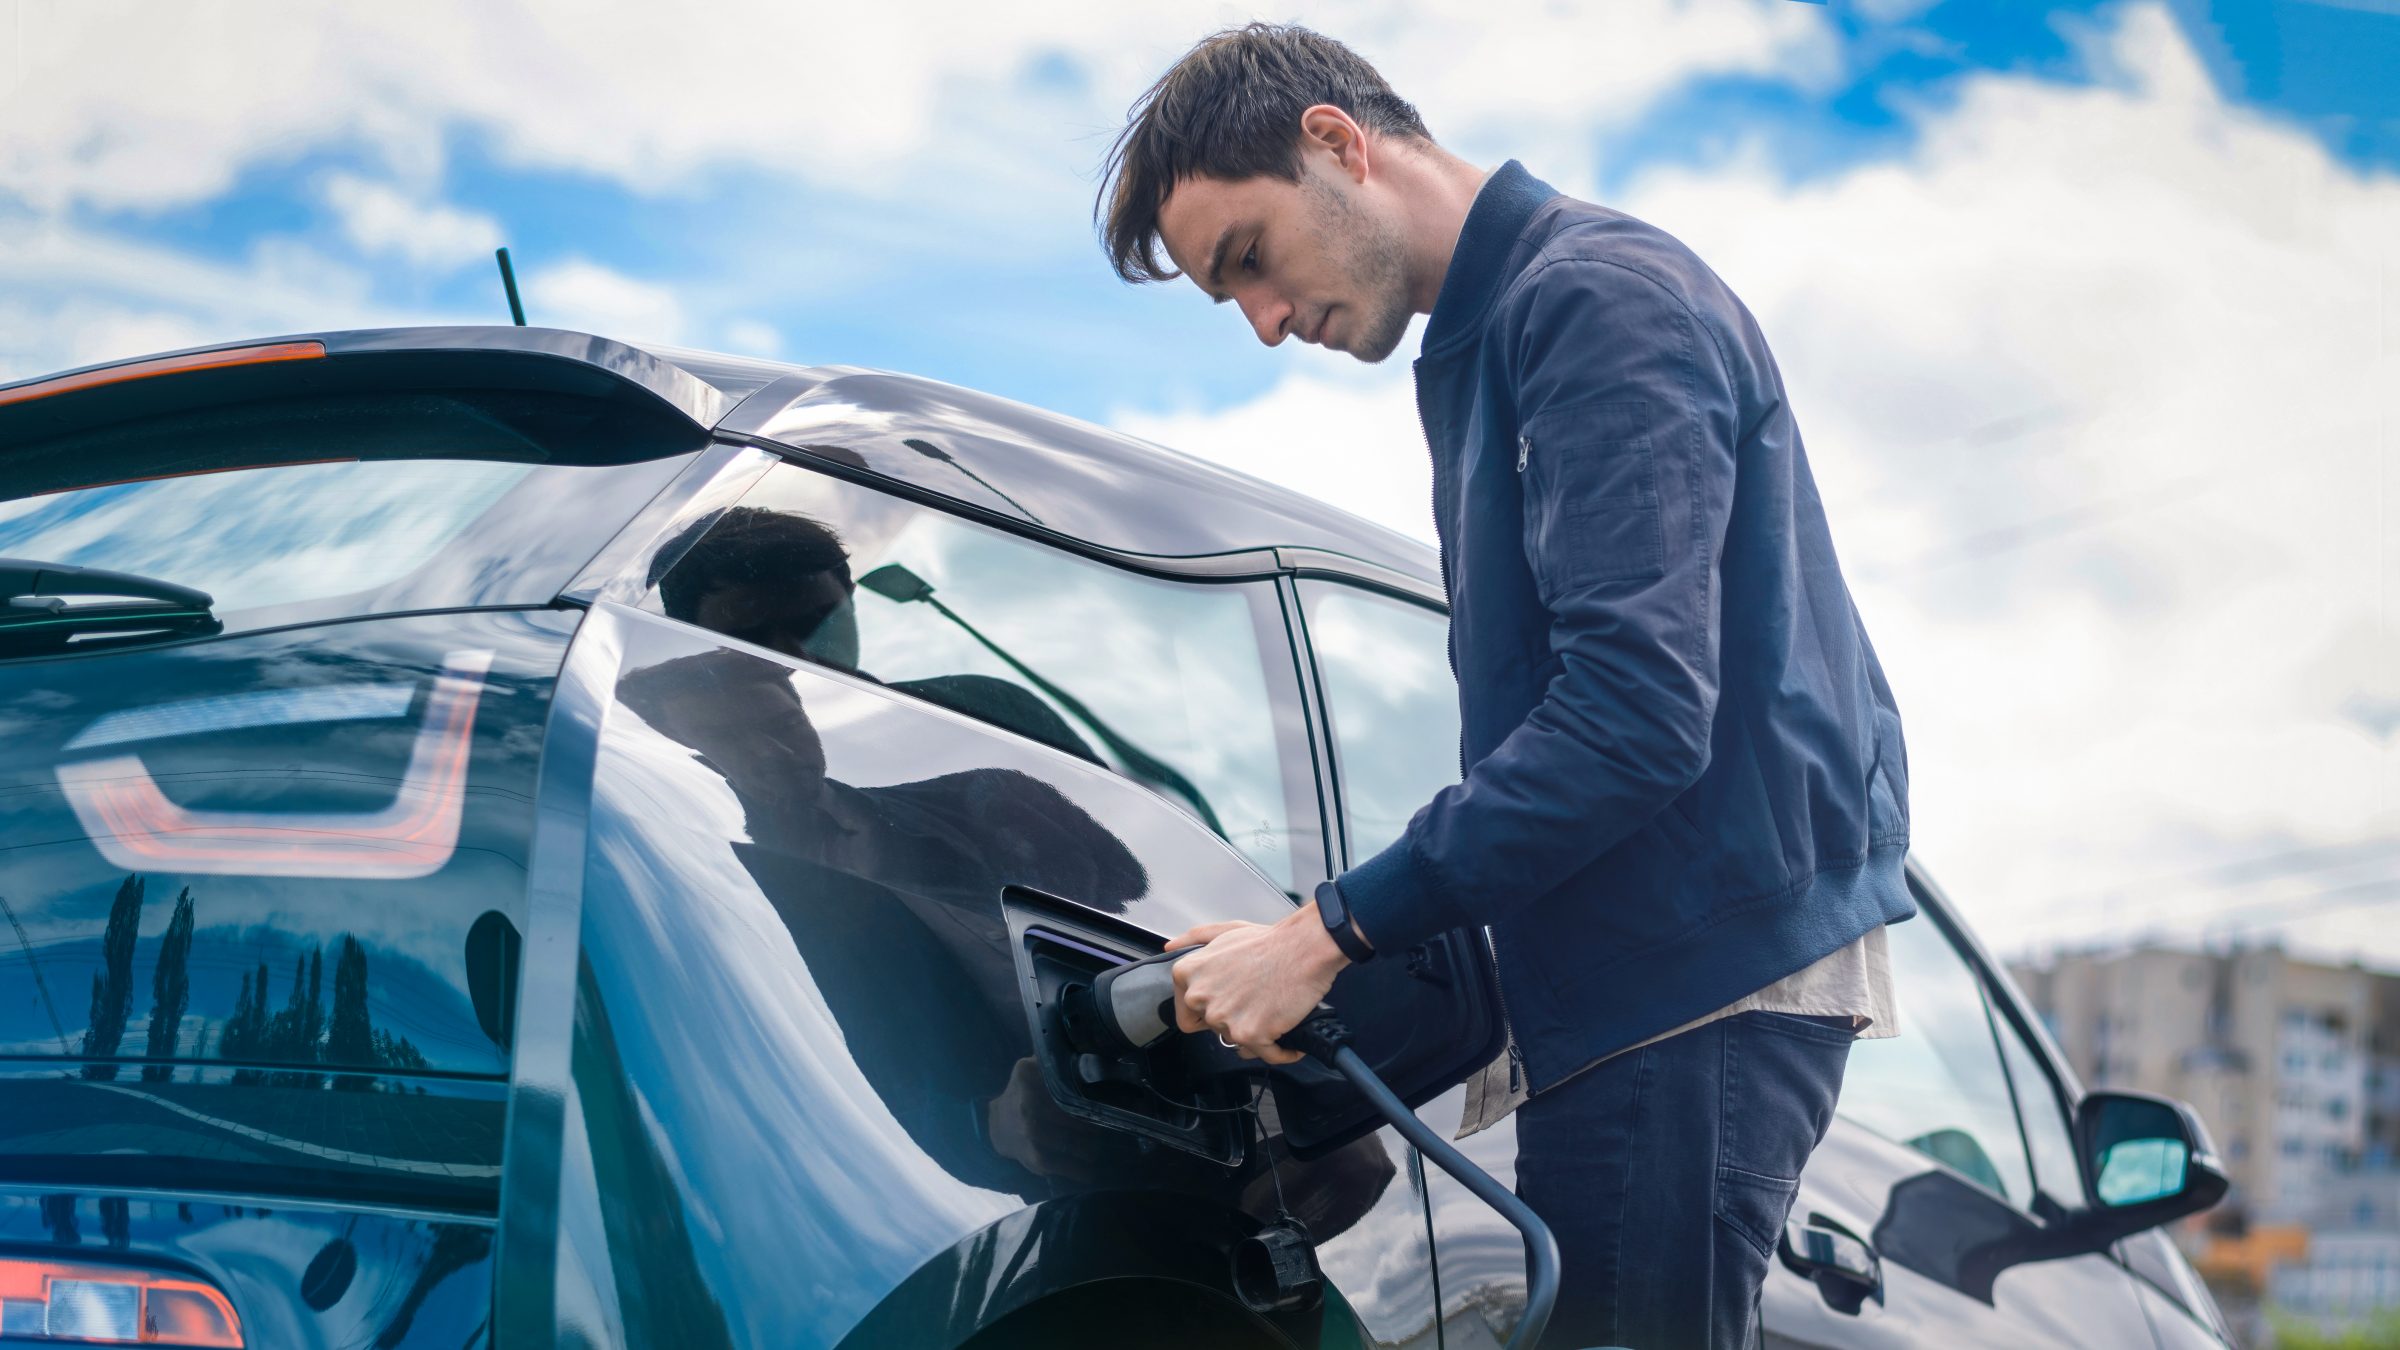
511,838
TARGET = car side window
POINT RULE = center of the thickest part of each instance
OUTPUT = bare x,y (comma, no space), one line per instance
1188,688
1938,1087
1390,702
2048,1137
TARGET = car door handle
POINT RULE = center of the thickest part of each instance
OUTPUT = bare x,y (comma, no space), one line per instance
1839,1262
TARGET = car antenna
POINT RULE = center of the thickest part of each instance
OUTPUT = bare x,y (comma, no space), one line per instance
508,282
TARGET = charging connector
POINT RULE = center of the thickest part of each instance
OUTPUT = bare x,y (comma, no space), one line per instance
1133,1006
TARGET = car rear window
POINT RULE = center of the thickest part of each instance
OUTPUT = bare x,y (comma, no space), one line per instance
301,509
265,536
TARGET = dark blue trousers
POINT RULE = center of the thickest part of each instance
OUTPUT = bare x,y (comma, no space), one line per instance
1667,1173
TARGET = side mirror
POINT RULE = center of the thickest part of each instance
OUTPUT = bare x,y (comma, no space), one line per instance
2146,1160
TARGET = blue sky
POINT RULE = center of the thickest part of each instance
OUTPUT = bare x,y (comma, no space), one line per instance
844,276
2087,311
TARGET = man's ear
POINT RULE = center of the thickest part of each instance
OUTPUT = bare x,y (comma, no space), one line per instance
1326,129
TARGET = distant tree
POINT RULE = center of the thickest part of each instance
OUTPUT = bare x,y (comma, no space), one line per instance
233,1037
396,1052
170,989
245,1033
295,1030
112,984
312,1015
283,1029
349,1036
58,1215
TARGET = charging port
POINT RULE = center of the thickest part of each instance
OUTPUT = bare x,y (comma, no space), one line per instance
1148,1092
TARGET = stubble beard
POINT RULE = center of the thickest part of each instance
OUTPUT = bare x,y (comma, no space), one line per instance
1374,262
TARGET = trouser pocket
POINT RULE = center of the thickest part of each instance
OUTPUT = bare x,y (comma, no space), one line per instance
1783,1074
1754,1206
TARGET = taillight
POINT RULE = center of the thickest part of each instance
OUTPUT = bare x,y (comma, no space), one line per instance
111,1305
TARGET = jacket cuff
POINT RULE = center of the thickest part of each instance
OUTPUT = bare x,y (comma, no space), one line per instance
1396,900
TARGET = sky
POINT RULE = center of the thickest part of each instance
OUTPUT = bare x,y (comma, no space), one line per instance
2090,316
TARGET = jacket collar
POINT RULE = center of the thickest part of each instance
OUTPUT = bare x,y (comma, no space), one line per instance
1502,209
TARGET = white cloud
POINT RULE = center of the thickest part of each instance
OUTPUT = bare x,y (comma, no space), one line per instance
1346,437
2099,386
752,337
381,219
584,295
95,331
74,296
864,95
930,108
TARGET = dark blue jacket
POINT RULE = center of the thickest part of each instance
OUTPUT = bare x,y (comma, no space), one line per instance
1685,778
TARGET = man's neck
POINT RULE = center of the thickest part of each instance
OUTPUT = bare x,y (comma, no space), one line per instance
1440,190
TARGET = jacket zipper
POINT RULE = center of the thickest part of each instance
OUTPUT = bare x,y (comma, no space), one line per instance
1516,1056
1441,554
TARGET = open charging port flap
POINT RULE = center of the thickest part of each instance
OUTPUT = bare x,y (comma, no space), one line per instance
1152,1092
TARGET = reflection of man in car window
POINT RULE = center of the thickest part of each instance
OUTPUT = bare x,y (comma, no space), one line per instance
784,582
778,581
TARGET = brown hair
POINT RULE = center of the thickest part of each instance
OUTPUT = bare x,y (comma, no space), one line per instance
1230,109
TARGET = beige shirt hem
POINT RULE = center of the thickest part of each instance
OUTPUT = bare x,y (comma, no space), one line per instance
1855,982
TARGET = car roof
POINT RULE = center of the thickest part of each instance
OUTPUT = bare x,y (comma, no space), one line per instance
1057,473
997,457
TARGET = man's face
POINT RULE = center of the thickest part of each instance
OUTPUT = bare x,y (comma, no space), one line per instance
1319,260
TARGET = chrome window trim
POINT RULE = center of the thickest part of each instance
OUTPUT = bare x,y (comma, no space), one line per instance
1246,564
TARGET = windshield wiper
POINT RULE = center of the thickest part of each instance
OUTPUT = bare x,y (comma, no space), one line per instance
40,612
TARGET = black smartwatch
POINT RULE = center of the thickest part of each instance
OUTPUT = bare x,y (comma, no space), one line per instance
1337,923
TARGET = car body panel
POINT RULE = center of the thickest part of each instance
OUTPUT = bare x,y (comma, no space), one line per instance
1940,1239
798,1066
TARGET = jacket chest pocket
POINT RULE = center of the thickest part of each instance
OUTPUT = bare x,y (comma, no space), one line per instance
1590,487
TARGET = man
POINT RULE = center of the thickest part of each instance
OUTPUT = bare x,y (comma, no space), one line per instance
1684,812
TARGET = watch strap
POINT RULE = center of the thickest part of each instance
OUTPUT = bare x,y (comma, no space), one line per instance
1336,915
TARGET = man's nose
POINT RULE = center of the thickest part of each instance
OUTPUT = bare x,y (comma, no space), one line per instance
1269,318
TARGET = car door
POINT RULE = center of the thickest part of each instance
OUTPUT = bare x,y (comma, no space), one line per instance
1382,672
1948,1162
854,759
2182,1313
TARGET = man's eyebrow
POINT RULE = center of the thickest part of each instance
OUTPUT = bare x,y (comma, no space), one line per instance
1216,262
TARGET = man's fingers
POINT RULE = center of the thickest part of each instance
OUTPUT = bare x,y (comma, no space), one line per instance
1272,1054
1204,934
1261,1048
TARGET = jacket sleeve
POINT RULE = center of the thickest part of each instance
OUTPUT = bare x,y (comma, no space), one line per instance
1628,418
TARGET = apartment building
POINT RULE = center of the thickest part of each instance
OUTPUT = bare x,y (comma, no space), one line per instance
2294,1065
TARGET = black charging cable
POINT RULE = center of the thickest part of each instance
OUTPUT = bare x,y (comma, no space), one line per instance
1132,1007
1323,1037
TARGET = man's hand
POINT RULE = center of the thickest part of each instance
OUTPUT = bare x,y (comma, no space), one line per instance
1254,982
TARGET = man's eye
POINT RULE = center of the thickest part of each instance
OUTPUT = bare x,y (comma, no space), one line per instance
1250,259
